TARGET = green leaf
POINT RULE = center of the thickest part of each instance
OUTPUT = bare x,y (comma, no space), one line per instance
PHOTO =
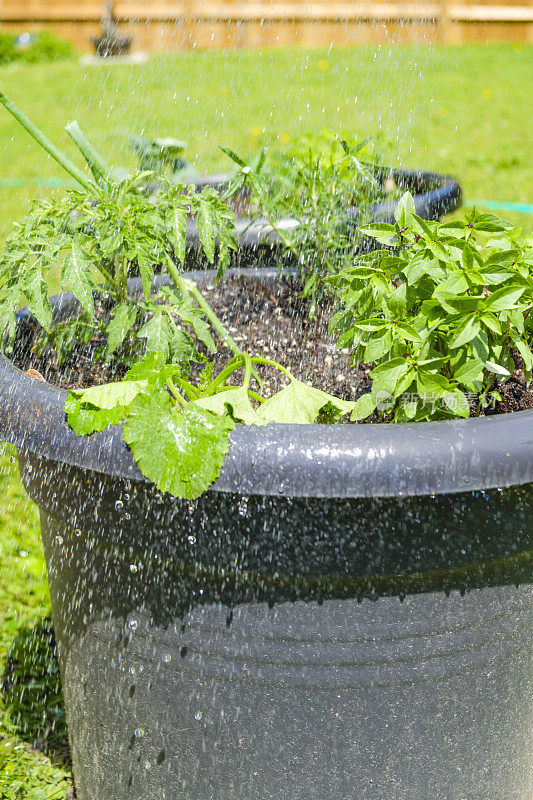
300,403
467,329
147,369
123,319
490,223
206,222
158,334
378,347
85,419
527,356
77,276
407,332
177,226
364,406
36,293
470,371
503,299
457,402
181,450
380,231
431,384
499,370
109,395
233,401
233,155
404,211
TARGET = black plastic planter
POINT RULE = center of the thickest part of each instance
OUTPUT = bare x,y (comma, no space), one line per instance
434,196
345,614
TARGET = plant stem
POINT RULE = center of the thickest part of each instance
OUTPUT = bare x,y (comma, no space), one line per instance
274,364
187,286
121,278
191,392
99,168
50,148
177,396
235,364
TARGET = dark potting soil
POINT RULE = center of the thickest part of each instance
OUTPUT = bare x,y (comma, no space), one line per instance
271,323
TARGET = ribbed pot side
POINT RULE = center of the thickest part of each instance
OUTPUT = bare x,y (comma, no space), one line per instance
266,647
345,614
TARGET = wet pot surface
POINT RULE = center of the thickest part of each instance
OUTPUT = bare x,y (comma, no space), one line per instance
252,647
346,613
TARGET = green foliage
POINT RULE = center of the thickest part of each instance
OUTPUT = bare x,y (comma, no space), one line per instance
439,311
315,183
8,51
179,431
25,775
43,47
102,233
31,687
24,601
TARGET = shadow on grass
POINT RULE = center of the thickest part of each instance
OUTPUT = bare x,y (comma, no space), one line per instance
32,694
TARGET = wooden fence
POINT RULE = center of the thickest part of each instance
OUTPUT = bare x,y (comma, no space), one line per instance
159,25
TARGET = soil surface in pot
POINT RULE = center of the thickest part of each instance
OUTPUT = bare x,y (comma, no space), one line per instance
266,322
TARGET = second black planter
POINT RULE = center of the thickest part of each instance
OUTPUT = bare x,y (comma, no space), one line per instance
434,195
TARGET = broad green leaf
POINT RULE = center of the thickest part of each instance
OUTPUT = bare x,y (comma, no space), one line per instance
181,450
206,222
497,368
491,322
109,395
300,403
470,371
177,222
378,347
525,352
158,334
407,332
489,223
404,210
147,369
457,402
233,401
467,329
85,419
431,384
364,406
77,276
123,318
380,231
504,298
36,293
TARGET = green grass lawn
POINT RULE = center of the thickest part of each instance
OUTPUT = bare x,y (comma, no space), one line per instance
461,111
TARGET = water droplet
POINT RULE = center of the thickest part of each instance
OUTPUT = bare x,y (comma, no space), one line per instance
139,733
134,568
191,539
77,532
134,624
119,505
198,716
127,516
126,497
59,540
167,658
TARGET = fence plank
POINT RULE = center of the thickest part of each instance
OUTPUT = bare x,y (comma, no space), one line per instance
162,24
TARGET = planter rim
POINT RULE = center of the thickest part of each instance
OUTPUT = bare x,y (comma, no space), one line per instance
434,196
342,461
